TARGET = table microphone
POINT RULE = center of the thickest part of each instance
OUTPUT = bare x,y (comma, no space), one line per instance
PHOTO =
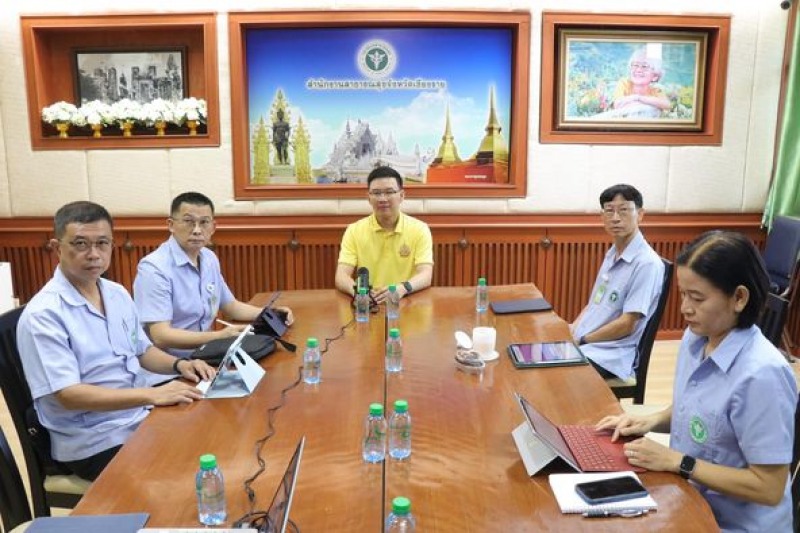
363,279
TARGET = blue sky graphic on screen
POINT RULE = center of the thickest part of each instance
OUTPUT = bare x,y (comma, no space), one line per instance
328,104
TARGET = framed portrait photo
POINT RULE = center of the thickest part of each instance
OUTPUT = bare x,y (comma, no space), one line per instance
439,96
633,79
142,75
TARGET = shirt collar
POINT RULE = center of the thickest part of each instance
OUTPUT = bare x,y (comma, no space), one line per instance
728,350
632,249
67,291
376,227
178,254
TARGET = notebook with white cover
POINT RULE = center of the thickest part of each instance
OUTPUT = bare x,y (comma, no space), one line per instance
569,501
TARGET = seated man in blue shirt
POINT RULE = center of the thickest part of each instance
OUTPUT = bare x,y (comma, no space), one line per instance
82,345
626,290
179,288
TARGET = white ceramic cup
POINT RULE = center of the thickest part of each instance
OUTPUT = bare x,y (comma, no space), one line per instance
483,341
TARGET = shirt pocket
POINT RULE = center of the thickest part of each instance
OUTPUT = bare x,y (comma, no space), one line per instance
613,297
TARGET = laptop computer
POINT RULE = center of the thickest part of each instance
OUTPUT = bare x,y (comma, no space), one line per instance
278,511
581,447
527,305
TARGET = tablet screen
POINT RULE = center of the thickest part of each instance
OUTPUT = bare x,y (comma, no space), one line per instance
546,354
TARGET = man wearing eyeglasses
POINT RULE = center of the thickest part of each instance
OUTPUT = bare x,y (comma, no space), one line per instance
397,249
626,290
179,288
82,346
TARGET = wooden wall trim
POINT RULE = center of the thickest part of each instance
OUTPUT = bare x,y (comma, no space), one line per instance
560,253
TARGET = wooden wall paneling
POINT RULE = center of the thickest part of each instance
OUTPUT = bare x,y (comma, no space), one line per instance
315,253
502,255
449,245
254,260
572,262
32,261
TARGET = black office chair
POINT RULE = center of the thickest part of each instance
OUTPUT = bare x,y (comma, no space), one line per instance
773,318
14,508
781,253
634,387
50,484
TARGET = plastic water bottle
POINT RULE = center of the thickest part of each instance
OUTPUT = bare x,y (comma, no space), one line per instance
374,450
210,492
393,304
400,431
400,519
394,351
362,305
311,362
482,296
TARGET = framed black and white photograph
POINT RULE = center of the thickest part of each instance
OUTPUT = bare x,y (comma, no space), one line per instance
140,75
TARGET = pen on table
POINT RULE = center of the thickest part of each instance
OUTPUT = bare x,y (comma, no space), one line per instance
624,513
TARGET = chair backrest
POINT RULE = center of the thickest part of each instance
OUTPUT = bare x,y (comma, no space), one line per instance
773,318
645,345
781,251
20,405
13,501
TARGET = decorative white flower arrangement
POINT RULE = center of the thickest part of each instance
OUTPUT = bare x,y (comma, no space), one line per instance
97,113
62,113
157,111
126,113
190,109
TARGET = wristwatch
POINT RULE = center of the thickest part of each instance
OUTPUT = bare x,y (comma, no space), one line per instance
175,364
687,466
408,287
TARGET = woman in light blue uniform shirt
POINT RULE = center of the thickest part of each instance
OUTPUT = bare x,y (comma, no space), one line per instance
731,421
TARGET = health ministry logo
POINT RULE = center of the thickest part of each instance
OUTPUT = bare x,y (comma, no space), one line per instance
376,59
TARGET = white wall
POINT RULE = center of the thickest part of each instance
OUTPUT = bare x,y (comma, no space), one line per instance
729,178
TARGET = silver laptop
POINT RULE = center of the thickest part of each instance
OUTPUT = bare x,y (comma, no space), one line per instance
278,512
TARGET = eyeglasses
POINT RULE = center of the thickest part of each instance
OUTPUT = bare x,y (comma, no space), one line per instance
643,66
388,193
83,245
190,223
622,211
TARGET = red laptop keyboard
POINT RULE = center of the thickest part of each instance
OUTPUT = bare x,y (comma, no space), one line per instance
583,444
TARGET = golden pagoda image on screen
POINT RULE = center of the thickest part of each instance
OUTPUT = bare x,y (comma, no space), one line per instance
488,165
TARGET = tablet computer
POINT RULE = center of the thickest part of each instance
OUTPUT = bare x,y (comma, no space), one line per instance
527,305
544,354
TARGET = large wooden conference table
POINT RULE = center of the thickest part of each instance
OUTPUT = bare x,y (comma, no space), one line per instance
464,473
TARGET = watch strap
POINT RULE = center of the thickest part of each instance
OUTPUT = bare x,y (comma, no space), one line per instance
408,287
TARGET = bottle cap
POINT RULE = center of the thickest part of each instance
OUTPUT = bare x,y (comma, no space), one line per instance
392,288
362,290
375,409
208,461
401,505
312,342
482,282
401,406
394,333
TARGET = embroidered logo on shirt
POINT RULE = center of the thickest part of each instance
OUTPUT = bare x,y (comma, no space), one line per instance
405,251
613,297
697,429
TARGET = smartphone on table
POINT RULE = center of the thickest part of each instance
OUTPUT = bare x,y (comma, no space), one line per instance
613,489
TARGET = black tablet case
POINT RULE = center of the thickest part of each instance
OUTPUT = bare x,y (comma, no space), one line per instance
529,305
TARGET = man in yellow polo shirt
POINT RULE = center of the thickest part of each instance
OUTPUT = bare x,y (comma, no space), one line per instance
396,249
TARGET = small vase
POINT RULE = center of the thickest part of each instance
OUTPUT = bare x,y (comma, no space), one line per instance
192,124
63,128
127,126
97,130
160,127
